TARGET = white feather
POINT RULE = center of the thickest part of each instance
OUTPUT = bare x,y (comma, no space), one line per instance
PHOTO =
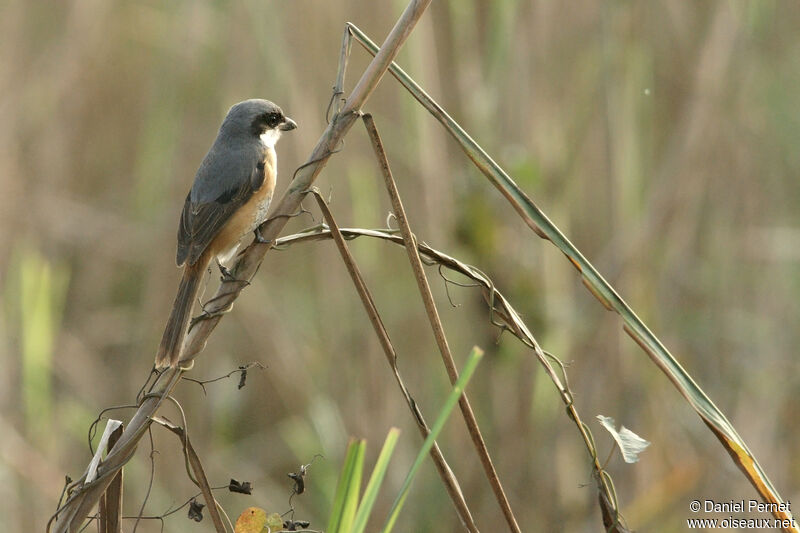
270,137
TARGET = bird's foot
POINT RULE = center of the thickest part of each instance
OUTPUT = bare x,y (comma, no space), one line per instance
260,238
227,275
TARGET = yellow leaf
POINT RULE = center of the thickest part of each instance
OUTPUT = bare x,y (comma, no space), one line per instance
252,520
256,520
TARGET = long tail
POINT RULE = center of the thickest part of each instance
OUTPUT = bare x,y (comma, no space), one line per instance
169,352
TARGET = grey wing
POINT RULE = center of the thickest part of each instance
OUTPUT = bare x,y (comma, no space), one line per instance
216,195
185,231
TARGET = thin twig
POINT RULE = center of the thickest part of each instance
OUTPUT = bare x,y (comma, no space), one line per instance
436,325
67,482
169,512
448,478
242,370
200,475
150,481
166,513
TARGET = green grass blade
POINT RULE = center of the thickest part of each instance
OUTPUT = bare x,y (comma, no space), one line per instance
341,501
469,369
353,489
375,480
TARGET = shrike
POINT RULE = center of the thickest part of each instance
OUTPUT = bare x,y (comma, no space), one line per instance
229,199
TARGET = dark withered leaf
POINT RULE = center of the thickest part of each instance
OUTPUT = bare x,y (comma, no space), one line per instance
195,510
244,487
299,483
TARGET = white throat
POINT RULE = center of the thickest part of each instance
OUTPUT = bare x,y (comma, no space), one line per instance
270,137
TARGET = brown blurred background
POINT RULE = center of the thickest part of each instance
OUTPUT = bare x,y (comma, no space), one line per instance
661,137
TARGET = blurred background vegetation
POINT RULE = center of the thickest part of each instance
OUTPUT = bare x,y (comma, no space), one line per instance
661,137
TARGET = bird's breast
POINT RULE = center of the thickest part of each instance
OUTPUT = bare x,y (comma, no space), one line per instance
249,216
254,212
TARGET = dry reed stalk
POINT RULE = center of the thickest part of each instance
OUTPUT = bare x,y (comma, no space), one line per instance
445,473
436,325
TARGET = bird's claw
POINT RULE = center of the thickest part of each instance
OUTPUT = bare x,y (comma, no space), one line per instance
260,238
227,275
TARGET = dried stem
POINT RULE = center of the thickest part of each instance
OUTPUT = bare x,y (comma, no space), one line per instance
109,510
448,478
436,325
197,467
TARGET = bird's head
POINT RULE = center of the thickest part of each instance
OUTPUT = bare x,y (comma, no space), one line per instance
259,118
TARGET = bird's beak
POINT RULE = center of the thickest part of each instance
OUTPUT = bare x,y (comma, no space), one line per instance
287,124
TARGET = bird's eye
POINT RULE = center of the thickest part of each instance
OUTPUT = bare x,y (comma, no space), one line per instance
273,119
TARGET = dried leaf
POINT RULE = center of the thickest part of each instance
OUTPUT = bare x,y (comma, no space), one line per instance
252,520
244,487
630,444
196,510
295,525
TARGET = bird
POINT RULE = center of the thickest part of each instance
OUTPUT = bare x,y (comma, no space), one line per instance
229,199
